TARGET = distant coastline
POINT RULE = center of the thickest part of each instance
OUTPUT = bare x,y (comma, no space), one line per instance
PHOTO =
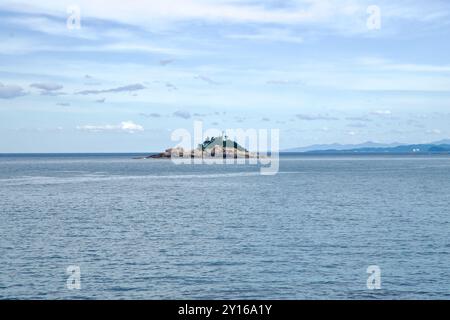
439,147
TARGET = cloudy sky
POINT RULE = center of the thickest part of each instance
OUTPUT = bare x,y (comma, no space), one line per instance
137,70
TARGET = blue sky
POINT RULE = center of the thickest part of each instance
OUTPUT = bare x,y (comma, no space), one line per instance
137,70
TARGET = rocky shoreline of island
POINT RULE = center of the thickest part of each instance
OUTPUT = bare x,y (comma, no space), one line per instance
216,147
217,152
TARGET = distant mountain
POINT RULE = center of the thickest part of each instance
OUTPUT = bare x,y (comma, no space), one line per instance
442,146
445,141
337,146
413,148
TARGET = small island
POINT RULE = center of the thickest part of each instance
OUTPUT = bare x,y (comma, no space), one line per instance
216,147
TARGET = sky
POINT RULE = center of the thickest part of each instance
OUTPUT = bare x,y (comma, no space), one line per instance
123,75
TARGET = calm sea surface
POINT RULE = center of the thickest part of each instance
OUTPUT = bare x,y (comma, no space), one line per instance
149,229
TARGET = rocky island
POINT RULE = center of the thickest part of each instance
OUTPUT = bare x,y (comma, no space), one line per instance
216,147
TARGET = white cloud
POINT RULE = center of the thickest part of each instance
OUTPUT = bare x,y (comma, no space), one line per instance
51,27
124,126
308,117
330,13
144,12
277,35
127,88
387,65
10,91
434,131
29,45
47,87
285,82
382,112
313,17
182,114
207,79
418,68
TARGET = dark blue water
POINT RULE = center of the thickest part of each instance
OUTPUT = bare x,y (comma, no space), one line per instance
149,229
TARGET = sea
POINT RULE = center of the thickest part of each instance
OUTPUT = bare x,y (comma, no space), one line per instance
109,226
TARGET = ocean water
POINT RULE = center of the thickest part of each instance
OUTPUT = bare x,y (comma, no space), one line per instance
149,229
